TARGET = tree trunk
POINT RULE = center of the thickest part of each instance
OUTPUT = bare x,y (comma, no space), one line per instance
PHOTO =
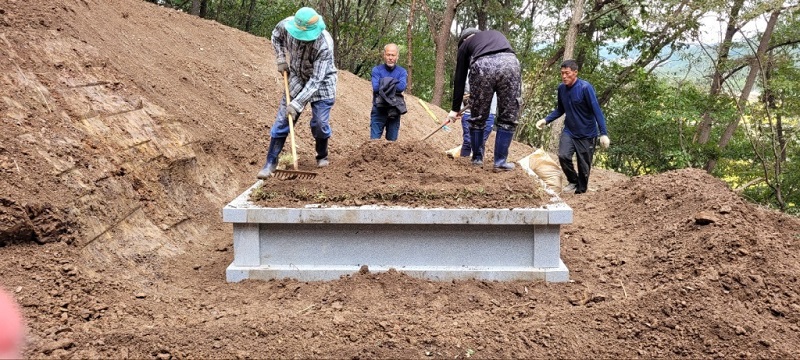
410,50
572,32
703,131
195,8
440,31
755,66
557,127
204,9
248,25
770,99
483,17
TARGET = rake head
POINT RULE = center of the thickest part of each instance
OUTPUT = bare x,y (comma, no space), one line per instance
294,174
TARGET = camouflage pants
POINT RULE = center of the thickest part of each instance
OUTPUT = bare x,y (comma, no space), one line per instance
501,74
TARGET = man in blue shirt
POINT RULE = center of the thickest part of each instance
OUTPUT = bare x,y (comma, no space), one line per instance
388,84
583,122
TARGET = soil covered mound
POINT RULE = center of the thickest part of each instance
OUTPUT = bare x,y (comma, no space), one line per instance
405,173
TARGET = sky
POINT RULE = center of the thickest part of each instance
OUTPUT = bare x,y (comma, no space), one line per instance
712,28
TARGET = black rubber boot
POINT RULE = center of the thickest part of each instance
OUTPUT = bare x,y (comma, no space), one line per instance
501,143
321,146
275,147
476,142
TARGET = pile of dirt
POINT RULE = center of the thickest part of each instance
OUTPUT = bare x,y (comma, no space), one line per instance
405,173
126,127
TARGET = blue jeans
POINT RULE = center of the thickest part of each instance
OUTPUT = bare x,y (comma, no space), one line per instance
320,120
466,148
378,120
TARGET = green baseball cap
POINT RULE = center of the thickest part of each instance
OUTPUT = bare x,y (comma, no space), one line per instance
305,25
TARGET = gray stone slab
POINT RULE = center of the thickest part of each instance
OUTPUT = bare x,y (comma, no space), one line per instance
318,243
241,210
547,246
437,273
246,244
397,245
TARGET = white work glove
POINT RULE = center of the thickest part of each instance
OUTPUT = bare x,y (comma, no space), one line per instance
282,67
291,111
605,141
540,124
452,116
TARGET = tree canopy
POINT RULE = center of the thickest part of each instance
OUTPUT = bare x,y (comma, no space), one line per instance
709,84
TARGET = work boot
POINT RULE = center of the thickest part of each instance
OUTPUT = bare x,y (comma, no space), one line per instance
476,143
321,146
275,147
466,145
501,143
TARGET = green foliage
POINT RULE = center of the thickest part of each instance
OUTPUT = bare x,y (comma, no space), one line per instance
255,16
772,139
650,124
539,100
361,29
652,114
424,62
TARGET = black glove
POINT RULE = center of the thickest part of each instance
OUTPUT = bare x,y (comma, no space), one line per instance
282,67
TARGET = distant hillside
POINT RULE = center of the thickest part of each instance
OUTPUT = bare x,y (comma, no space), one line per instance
693,63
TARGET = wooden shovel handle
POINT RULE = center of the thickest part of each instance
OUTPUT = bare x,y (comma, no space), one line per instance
291,121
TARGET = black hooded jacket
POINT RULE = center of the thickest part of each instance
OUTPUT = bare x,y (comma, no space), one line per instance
389,97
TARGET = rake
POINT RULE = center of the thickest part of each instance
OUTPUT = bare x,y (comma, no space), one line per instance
292,174
444,124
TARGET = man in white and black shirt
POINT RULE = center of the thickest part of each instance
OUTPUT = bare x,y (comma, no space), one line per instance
312,79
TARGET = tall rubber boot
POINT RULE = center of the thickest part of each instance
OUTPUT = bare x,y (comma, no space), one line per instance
476,142
321,146
275,147
501,143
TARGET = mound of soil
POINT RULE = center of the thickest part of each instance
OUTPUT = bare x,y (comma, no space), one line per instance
405,173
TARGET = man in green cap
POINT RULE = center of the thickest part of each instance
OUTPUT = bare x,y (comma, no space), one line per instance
312,79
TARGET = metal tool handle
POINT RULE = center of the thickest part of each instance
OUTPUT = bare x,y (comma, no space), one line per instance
444,124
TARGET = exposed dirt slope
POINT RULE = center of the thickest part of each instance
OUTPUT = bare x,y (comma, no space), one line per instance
126,127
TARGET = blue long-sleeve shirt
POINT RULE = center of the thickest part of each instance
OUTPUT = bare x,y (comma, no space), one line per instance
382,71
583,115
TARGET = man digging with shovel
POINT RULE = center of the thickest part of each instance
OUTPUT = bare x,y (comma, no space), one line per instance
493,68
312,79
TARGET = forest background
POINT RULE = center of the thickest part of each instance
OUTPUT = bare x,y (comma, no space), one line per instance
676,92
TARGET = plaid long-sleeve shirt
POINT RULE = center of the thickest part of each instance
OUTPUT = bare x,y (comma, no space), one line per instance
312,73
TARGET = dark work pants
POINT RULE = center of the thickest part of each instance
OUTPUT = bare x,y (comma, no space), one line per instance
584,151
501,74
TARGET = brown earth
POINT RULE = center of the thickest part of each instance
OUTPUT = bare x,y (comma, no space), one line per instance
126,127
403,173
